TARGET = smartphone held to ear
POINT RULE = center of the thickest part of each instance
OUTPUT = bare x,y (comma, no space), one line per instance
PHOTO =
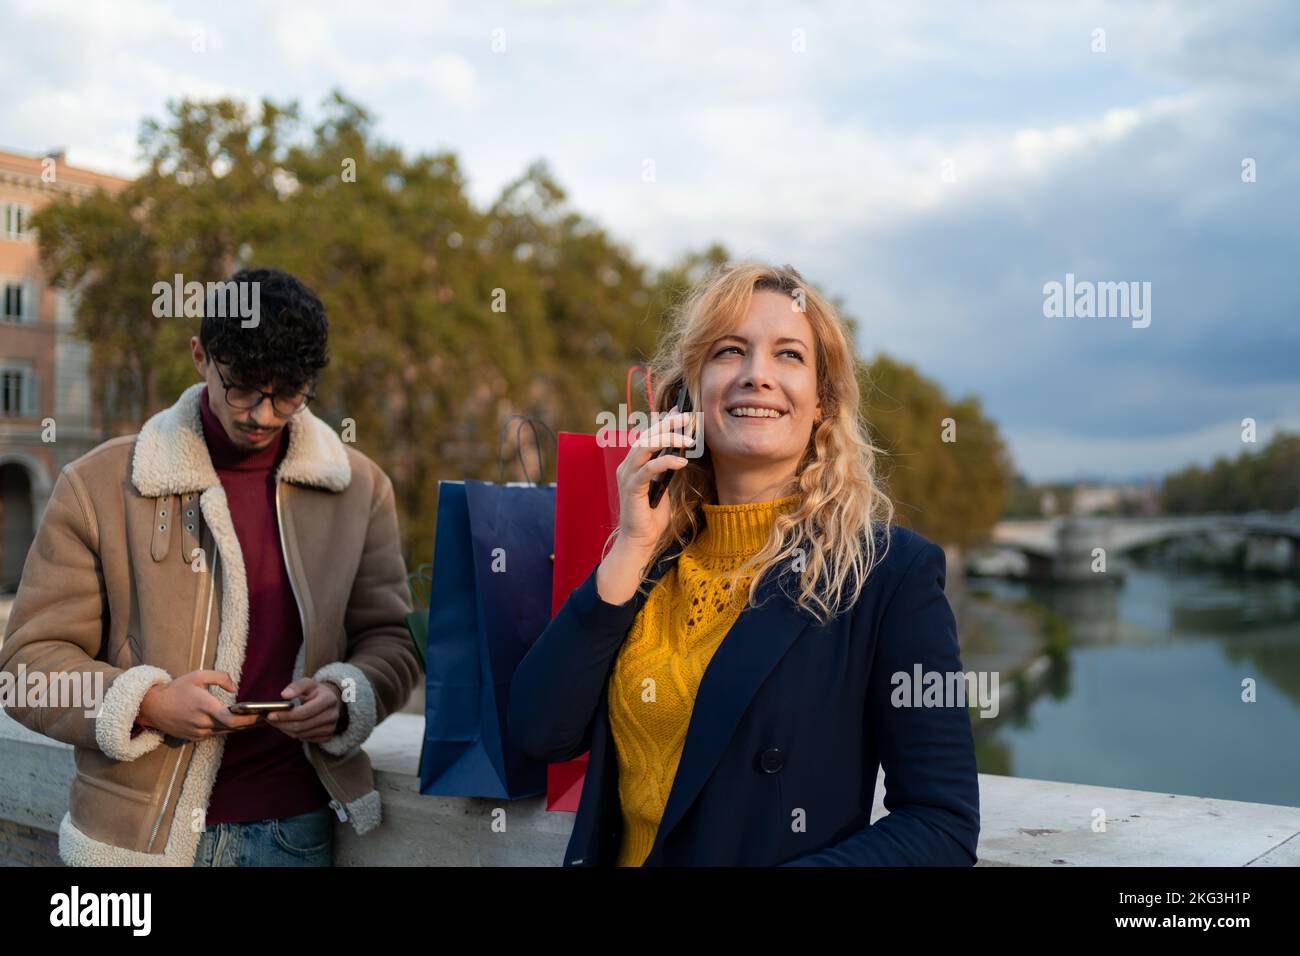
660,483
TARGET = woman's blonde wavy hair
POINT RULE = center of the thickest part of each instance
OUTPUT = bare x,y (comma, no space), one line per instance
842,502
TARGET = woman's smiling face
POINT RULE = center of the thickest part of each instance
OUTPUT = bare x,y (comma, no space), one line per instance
758,389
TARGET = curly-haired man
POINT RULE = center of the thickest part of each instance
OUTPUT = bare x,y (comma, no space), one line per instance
235,550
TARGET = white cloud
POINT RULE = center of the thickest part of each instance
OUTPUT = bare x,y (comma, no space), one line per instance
1050,455
302,36
832,158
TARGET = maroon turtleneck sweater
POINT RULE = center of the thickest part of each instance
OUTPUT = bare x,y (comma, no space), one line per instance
264,773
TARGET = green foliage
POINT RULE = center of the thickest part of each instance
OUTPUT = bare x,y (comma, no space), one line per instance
445,319
1263,480
949,491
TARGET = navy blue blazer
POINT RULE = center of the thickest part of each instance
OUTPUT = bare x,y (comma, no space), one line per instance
791,722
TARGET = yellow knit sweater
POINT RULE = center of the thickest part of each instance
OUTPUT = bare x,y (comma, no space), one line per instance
660,665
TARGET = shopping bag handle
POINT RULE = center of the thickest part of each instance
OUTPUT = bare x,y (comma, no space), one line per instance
532,423
649,377
421,584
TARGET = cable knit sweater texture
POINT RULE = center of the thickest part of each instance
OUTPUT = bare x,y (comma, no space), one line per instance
659,667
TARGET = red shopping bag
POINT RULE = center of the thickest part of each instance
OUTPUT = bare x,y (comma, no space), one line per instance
586,511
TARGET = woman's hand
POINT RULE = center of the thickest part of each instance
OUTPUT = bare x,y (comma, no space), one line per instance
640,525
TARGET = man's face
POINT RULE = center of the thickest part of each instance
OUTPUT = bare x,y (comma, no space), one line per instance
250,429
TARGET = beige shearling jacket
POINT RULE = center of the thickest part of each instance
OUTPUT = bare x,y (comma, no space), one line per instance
136,573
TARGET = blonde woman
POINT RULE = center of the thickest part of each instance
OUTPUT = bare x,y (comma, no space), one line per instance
731,662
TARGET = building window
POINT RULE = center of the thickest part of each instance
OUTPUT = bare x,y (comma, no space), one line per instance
16,220
19,301
17,392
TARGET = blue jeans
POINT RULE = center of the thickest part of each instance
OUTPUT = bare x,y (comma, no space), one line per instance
303,840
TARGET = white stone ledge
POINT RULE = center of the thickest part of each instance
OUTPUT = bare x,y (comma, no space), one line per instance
1023,822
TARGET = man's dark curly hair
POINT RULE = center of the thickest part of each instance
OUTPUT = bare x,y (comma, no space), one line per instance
286,349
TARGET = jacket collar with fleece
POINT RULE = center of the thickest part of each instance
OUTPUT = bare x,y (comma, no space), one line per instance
171,456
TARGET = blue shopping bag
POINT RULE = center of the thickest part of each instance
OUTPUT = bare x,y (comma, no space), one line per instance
490,598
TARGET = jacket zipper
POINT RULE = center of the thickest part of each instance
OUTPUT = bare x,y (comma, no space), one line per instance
203,653
335,803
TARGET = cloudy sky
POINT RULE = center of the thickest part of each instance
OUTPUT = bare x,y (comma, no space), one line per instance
934,165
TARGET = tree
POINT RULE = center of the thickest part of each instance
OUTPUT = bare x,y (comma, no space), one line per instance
950,491
1264,480
445,319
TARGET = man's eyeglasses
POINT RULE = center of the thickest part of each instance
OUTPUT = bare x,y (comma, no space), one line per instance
286,404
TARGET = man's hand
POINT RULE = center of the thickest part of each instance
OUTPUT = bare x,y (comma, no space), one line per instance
316,717
185,708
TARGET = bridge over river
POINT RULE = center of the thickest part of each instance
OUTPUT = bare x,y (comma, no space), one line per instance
1091,549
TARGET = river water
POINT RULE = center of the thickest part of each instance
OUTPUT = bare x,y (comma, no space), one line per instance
1151,697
